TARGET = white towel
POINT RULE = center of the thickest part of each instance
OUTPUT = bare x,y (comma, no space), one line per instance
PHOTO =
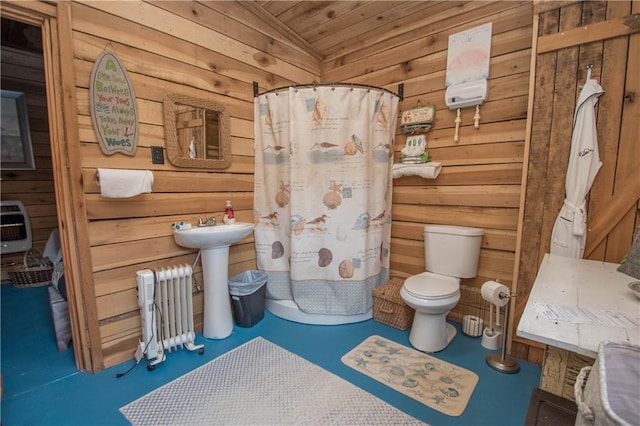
123,183
429,170
53,250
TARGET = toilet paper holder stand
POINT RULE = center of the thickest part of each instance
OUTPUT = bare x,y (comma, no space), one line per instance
502,362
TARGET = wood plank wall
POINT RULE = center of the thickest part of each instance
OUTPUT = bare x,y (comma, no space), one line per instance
205,50
560,71
216,50
479,185
23,71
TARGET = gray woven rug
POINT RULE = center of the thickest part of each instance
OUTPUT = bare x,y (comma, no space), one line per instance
259,383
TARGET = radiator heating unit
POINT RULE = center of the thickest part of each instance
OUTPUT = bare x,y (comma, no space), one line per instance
166,310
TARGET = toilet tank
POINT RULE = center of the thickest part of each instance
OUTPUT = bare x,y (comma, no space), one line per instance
452,250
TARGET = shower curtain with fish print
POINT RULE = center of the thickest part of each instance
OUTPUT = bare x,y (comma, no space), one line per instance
322,200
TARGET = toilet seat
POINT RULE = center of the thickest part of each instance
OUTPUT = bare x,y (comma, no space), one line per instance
428,285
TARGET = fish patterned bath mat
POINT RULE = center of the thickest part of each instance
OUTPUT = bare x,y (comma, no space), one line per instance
438,384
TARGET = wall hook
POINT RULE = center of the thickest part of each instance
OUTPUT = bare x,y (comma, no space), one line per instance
458,120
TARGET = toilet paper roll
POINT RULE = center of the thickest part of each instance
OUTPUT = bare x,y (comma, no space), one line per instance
472,325
491,290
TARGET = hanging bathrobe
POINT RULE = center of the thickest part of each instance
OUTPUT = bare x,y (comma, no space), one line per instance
570,231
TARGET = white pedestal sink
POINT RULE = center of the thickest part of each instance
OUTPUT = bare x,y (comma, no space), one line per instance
214,242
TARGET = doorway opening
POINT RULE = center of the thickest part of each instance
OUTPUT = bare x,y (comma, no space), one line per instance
23,72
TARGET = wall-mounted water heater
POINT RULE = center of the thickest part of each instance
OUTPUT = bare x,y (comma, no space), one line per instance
15,227
470,93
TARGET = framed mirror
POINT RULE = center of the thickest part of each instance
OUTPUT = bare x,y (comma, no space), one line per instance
197,132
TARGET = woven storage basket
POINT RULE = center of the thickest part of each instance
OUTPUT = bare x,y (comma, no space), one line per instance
388,306
607,394
34,272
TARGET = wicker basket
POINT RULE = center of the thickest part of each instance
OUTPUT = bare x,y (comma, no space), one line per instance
388,306
607,393
35,271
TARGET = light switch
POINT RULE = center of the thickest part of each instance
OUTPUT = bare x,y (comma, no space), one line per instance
157,155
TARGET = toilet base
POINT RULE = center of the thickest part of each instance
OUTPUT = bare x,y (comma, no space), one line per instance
431,333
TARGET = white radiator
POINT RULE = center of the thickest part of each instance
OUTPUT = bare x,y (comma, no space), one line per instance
166,309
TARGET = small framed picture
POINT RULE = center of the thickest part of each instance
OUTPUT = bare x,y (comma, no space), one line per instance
15,137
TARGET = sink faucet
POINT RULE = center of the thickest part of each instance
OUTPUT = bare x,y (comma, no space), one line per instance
210,222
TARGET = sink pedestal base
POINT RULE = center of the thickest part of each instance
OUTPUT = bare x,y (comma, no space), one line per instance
214,242
218,319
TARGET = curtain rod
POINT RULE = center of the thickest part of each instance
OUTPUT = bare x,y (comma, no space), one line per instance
400,93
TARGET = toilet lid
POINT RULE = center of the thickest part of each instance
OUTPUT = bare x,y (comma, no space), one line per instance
432,286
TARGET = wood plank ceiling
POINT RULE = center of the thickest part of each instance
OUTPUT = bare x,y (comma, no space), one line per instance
328,29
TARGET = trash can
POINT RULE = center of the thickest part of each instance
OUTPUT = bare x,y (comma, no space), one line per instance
247,292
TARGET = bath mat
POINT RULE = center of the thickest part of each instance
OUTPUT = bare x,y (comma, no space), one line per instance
261,383
438,384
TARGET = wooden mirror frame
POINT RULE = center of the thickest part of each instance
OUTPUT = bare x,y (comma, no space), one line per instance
171,134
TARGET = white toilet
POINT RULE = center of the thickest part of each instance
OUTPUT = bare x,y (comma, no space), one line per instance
451,253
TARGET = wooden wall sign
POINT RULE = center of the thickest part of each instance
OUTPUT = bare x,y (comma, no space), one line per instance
113,106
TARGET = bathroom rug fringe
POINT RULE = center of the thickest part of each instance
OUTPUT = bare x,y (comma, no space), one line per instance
435,383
